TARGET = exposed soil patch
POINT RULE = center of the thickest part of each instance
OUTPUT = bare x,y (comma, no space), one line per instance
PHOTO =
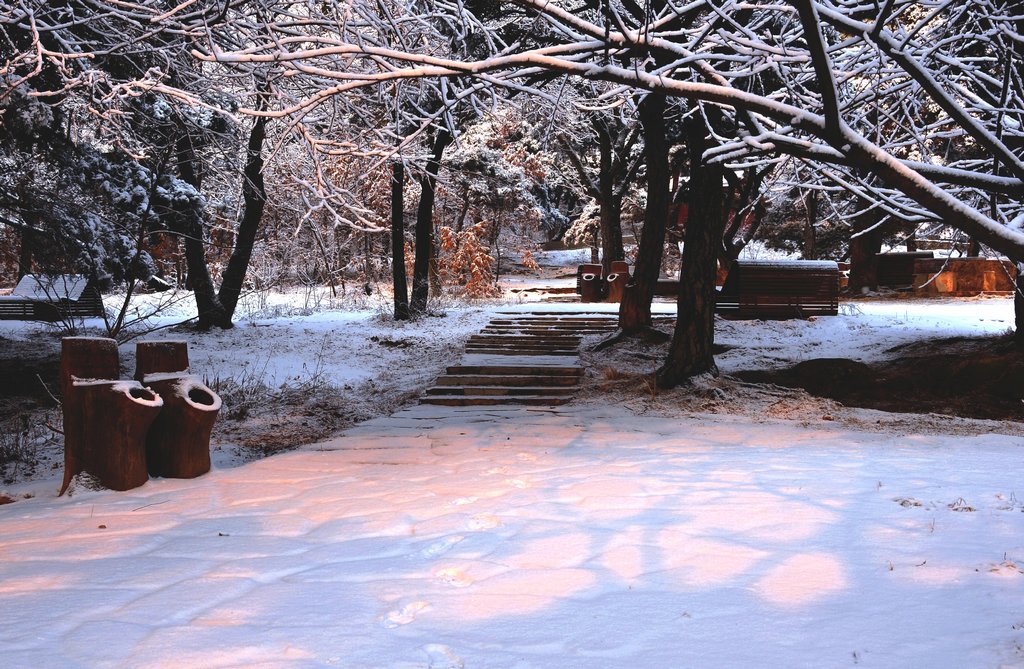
29,372
970,378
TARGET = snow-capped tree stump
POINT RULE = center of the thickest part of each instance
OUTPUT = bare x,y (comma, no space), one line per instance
158,357
116,416
617,280
178,445
81,358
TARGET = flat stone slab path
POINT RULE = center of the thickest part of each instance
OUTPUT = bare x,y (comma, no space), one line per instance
520,358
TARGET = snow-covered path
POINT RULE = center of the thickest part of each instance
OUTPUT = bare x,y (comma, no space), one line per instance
581,536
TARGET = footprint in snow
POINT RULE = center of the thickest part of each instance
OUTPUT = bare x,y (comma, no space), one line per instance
404,615
462,501
441,547
442,657
454,577
517,483
483,521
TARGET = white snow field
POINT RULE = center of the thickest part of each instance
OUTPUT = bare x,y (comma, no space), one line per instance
584,536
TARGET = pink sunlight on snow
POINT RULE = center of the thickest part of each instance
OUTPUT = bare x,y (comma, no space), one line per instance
583,536
599,535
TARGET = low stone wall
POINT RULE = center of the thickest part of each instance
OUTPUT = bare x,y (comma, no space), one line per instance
963,277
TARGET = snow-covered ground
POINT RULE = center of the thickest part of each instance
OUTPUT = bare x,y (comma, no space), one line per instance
596,535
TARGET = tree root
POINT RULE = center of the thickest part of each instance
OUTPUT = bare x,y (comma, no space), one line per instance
648,333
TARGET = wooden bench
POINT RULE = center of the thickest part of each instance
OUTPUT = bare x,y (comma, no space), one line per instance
51,299
777,289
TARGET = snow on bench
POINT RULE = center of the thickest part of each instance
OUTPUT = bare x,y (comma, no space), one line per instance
51,299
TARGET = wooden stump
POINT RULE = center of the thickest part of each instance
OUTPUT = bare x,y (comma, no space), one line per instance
115,418
158,357
616,284
81,358
178,445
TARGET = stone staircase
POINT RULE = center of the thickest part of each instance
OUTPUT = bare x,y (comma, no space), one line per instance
520,358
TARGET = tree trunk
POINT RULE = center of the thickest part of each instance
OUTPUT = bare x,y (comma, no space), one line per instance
974,248
254,195
694,337
425,226
810,237
211,311
398,277
25,254
610,204
1018,306
635,308
864,250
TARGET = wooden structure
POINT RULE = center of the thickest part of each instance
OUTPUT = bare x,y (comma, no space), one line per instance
590,282
178,443
120,431
776,289
964,277
615,282
896,270
52,299
105,419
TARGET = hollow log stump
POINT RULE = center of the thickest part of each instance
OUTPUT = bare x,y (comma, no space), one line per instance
178,444
81,358
115,417
616,284
158,357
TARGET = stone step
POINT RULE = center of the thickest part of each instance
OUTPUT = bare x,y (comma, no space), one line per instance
558,332
482,400
507,380
516,370
569,340
552,323
516,351
538,346
501,390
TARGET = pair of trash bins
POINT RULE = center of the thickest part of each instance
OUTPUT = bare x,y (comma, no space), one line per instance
124,431
594,287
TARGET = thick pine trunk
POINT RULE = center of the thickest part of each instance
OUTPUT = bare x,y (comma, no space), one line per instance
398,278
694,337
635,308
254,195
425,226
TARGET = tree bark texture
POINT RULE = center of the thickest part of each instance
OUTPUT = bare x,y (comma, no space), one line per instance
635,308
693,340
1018,306
398,278
211,311
609,200
425,225
864,250
254,196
